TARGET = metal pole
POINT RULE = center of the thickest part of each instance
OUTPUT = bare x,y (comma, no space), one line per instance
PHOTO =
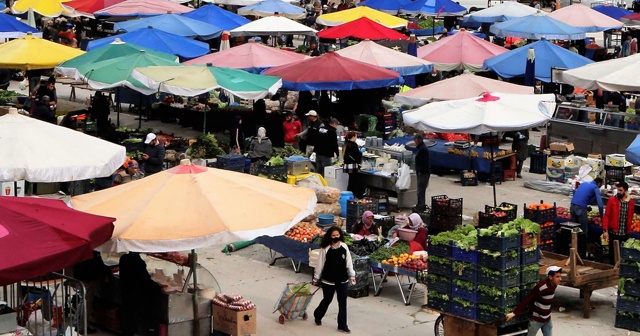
493,176
196,321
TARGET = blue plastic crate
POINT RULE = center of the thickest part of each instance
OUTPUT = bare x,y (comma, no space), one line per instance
500,244
529,258
439,304
491,316
440,250
632,288
628,305
525,289
465,294
440,269
629,271
230,160
540,216
503,301
629,254
506,279
529,276
459,254
441,285
458,309
503,262
468,273
627,322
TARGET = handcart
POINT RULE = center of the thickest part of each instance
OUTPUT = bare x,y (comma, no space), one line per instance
294,301
466,326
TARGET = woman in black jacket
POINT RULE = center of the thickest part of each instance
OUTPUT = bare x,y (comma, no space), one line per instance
352,157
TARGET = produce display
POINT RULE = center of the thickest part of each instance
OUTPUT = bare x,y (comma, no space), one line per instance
406,261
286,152
233,302
464,237
594,218
512,228
539,206
400,247
628,303
472,153
363,247
303,232
632,243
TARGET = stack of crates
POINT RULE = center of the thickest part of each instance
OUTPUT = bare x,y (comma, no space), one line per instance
464,288
383,202
547,220
355,209
538,163
446,213
389,120
488,217
529,263
234,162
628,304
361,288
439,278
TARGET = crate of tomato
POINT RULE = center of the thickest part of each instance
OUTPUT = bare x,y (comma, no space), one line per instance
541,212
509,210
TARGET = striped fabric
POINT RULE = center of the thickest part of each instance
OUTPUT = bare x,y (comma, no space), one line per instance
539,302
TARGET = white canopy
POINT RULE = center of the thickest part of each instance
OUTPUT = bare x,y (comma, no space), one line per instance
488,113
38,151
273,25
618,74
375,54
501,12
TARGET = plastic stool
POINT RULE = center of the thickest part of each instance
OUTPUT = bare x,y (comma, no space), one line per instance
509,174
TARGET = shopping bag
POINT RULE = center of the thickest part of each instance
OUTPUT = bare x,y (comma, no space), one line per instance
404,177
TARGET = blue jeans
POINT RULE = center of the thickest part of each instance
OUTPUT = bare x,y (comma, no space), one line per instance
321,162
580,215
535,326
327,296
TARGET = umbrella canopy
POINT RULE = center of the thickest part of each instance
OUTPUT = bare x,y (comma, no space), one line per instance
375,54
193,80
218,17
537,26
143,8
362,28
434,8
38,151
513,63
632,153
213,209
489,113
338,18
388,6
618,74
449,89
29,52
252,57
45,235
460,51
271,7
91,6
631,20
48,8
585,18
173,24
501,12
11,27
158,40
242,2
112,50
273,25
614,12
333,72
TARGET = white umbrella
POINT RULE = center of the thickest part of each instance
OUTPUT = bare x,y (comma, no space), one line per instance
619,74
224,41
273,26
38,151
501,12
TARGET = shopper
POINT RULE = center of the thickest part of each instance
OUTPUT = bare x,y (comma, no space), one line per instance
129,172
586,194
423,171
618,218
153,156
521,146
367,226
334,272
44,111
310,134
351,158
291,126
326,147
539,303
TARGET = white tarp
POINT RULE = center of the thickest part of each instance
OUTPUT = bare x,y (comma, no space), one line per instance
273,26
375,54
618,74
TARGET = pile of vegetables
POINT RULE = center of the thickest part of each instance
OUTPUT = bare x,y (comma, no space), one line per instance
286,152
468,285
397,249
539,206
364,247
436,295
495,254
465,237
632,243
406,261
512,228
463,302
205,147
593,216
498,292
303,232
623,281
491,310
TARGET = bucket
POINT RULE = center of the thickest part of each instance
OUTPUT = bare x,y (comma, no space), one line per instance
345,196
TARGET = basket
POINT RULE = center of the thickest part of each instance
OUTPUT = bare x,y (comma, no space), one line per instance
465,294
459,254
490,316
529,276
355,209
614,175
529,258
439,304
629,254
501,263
469,272
627,322
440,250
500,244
529,239
538,163
458,309
628,305
503,301
468,181
487,219
629,271
444,222
407,234
540,216
440,285
512,213
506,279
551,247
548,233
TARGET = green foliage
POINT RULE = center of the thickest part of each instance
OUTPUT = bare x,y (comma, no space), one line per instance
430,23
399,248
205,147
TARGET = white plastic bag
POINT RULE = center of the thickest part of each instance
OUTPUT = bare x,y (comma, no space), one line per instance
404,177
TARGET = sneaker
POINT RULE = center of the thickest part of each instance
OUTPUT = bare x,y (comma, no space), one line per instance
344,330
318,322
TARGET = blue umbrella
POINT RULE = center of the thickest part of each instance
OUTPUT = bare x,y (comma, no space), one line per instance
218,17
157,40
173,24
434,8
513,63
537,26
612,11
10,27
633,151
530,68
387,6
270,7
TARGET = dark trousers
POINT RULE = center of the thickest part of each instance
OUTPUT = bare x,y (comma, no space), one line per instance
612,237
519,164
352,186
423,183
580,215
327,296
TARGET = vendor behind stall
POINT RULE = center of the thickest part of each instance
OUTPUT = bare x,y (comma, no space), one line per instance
260,150
140,294
419,243
586,194
366,226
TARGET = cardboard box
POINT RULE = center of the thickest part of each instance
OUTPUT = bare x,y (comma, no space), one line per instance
561,146
595,156
235,323
616,160
556,162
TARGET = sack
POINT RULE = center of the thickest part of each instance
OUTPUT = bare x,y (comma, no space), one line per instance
404,177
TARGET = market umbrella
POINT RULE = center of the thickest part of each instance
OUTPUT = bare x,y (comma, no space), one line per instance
631,20
436,8
362,28
193,80
43,235
242,2
11,27
30,53
112,50
618,74
48,8
272,7
225,44
158,40
449,89
530,68
143,8
632,153
614,12
273,26
460,51
251,57
38,151
218,17
537,26
91,6
173,24
375,54
338,18
412,49
548,55
585,18
500,12
333,72
388,6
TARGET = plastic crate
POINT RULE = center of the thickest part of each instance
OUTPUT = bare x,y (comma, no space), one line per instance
458,309
551,247
465,294
628,305
525,289
491,316
444,222
500,244
468,273
540,216
468,181
355,209
441,285
548,233
512,214
503,301
439,304
616,174
487,219
502,262
230,160
627,322
459,254
538,164
529,239
506,279
239,169
629,254
529,258
440,250
273,170
629,271
440,269
358,292
443,205
529,276
632,289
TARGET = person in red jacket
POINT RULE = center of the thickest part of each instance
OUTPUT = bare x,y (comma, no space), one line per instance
618,217
291,127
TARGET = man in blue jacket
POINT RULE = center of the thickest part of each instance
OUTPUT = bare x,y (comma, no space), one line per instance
586,194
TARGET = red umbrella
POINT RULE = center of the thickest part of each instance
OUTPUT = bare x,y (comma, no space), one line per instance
362,28
91,6
633,19
39,235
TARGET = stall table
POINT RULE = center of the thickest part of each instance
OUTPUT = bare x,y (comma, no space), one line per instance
297,252
406,298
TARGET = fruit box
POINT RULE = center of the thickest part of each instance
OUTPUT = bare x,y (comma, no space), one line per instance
561,146
236,323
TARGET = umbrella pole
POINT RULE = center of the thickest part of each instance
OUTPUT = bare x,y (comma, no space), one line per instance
493,176
118,106
204,124
140,112
196,321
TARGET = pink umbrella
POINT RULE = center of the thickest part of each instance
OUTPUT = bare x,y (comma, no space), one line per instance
460,51
585,18
91,6
252,57
143,8
449,89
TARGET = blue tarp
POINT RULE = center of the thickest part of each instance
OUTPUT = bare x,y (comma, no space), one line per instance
174,24
612,11
157,40
513,63
288,247
10,27
633,151
427,32
339,86
275,6
537,26
388,6
218,17
434,8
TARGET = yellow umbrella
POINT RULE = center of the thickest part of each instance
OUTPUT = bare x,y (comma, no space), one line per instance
48,8
29,53
338,18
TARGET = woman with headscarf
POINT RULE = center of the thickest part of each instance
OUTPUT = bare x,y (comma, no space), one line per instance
416,223
260,150
366,226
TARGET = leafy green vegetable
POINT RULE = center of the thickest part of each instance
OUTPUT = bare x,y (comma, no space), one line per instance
464,303
397,249
632,243
489,271
439,260
492,309
622,282
465,237
468,285
497,292
434,294
459,266
531,268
